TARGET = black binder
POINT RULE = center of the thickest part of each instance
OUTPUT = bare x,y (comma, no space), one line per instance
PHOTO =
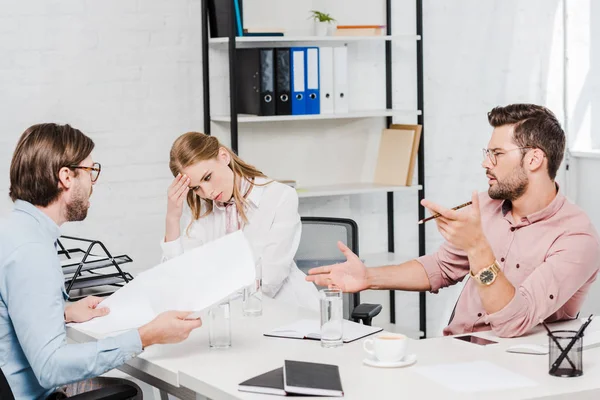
268,383
255,82
312,379
283,103
219,17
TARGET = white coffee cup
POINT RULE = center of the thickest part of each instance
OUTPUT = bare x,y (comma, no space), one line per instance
387,347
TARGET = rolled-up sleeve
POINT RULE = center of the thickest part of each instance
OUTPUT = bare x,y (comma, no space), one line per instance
171,249
32,290
282,241
189,238
445,267
572,262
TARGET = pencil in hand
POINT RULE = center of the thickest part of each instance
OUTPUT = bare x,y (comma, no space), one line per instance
468,203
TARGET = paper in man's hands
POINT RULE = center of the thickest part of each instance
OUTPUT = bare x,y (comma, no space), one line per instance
194,281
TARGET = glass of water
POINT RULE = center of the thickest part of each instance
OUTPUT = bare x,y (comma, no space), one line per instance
219,326
252,296
332,316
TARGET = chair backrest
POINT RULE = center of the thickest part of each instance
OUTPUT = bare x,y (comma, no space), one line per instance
5,391
318,246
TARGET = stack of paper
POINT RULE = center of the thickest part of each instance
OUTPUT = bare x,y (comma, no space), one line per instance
191,282
452,376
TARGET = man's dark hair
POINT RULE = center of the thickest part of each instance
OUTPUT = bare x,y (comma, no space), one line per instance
41,152
534,126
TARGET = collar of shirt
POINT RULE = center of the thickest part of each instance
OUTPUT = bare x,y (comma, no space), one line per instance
47,224
253,197
543,214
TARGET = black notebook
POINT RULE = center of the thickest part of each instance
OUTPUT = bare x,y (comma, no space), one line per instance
312,379
268,383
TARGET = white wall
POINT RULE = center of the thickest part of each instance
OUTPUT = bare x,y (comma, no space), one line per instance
128,72
582,103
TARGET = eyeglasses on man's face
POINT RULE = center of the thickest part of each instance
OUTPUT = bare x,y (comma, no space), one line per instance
93,170
493,154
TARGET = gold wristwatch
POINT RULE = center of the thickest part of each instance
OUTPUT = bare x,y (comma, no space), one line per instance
487,275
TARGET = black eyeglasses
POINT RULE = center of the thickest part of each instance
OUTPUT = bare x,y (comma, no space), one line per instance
492,155
94,170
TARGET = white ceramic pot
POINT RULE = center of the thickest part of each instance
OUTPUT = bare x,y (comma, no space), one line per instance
321,28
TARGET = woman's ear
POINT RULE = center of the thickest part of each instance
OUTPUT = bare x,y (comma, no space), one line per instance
224,156
65,178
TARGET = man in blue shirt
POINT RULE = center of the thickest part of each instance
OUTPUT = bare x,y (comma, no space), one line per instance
51,178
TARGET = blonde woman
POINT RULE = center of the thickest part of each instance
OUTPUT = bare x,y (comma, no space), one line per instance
225,194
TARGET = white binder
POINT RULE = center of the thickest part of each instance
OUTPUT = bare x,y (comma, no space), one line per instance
326,59
340,79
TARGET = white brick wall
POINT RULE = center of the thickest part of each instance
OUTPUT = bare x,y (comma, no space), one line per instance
128,73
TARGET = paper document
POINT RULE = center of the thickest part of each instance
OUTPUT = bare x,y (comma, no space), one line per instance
194,281
479,372
311,329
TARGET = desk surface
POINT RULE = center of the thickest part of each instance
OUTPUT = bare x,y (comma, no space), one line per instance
217,373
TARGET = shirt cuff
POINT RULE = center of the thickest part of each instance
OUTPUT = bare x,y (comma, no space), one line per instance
171,249
130,344
432,269
509,313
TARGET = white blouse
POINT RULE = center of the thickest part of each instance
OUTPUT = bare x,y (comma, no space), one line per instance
273,231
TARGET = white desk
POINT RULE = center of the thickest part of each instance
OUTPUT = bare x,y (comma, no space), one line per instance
191,367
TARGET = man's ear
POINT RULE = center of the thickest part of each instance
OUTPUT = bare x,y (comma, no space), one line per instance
65,178
224,156
536,160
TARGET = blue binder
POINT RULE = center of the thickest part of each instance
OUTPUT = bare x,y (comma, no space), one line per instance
313,83
298,75
238,18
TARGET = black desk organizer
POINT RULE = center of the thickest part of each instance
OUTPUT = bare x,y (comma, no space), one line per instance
82,276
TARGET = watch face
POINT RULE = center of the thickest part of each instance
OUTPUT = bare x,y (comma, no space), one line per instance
486,277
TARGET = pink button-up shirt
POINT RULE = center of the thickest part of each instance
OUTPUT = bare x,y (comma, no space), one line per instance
551,257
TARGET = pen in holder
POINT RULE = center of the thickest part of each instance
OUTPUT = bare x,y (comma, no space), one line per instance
571,364
565,356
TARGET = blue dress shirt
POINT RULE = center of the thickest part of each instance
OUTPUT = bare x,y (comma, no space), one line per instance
34,354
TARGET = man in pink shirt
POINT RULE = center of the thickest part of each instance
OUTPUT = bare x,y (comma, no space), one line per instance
530,253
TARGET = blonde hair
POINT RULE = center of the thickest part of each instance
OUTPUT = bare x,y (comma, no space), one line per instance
193,147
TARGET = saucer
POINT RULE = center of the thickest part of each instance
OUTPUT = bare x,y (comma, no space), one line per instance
405,362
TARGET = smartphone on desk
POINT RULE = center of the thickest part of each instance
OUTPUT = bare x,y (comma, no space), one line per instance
475,340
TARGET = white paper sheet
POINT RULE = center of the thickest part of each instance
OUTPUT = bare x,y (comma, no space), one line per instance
191,282
453,376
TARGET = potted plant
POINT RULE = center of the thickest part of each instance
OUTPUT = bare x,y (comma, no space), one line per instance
323,23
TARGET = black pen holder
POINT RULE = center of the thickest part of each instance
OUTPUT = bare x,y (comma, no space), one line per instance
572,364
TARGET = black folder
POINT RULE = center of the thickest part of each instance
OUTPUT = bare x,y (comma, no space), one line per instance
255,81
269,383
312,379
219,17
283,102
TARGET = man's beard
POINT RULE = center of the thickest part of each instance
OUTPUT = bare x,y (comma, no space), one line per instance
510,188
77,209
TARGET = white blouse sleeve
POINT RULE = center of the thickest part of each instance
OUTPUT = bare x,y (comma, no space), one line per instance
188,239
282,241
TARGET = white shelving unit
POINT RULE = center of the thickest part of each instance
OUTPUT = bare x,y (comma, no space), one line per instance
245,118
252,40
352,188
229,46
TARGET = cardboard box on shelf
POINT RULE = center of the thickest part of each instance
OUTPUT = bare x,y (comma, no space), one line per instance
397,155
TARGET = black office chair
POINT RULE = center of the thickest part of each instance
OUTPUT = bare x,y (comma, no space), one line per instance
318,247
117,392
